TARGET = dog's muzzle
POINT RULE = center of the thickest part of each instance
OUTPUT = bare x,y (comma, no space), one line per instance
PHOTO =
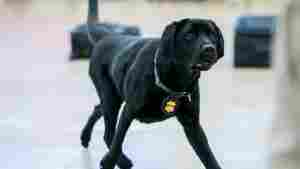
209,50
207,58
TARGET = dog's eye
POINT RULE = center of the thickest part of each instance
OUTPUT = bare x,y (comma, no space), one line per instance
189,37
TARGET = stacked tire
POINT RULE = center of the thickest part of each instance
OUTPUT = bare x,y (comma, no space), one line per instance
253,41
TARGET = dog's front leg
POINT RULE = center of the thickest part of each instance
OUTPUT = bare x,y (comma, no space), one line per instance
189,118
110,159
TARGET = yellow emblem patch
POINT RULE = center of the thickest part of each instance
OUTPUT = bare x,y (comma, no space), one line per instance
170,106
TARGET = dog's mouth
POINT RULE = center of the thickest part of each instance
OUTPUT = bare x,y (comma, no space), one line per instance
201,66
196,70
204,65
197,67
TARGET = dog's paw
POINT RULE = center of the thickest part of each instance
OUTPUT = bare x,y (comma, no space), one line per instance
85,138
107,162
124,162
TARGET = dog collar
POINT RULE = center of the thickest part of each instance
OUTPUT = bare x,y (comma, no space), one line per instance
160,84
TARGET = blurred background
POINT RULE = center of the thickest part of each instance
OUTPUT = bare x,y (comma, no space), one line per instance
46,99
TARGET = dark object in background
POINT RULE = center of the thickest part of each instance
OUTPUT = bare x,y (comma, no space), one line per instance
85,35
253,41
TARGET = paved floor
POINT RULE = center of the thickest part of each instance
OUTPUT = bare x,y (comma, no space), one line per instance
45,100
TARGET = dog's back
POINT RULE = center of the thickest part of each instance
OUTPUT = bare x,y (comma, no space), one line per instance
114,57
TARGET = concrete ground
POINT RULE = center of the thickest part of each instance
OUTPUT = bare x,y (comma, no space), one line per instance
45,100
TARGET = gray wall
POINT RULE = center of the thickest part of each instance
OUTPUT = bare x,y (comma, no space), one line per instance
286,128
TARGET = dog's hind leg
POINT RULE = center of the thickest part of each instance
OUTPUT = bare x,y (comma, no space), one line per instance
88,128
109,108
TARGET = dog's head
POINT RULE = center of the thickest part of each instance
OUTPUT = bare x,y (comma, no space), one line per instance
196,44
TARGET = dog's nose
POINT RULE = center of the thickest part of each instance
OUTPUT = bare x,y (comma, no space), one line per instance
209,50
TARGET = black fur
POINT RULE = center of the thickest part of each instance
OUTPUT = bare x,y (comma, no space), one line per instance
122,69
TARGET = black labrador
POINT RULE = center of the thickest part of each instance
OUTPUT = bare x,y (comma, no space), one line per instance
157,78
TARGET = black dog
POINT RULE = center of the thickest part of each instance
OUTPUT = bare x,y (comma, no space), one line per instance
158,79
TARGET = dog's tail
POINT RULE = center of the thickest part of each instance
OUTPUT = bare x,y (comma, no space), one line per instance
93,16
97,30
85,36
94,32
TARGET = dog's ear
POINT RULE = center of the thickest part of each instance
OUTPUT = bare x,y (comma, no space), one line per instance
168,40
169,36
182,23
219,36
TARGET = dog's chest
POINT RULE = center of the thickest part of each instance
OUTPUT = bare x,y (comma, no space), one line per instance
152,111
